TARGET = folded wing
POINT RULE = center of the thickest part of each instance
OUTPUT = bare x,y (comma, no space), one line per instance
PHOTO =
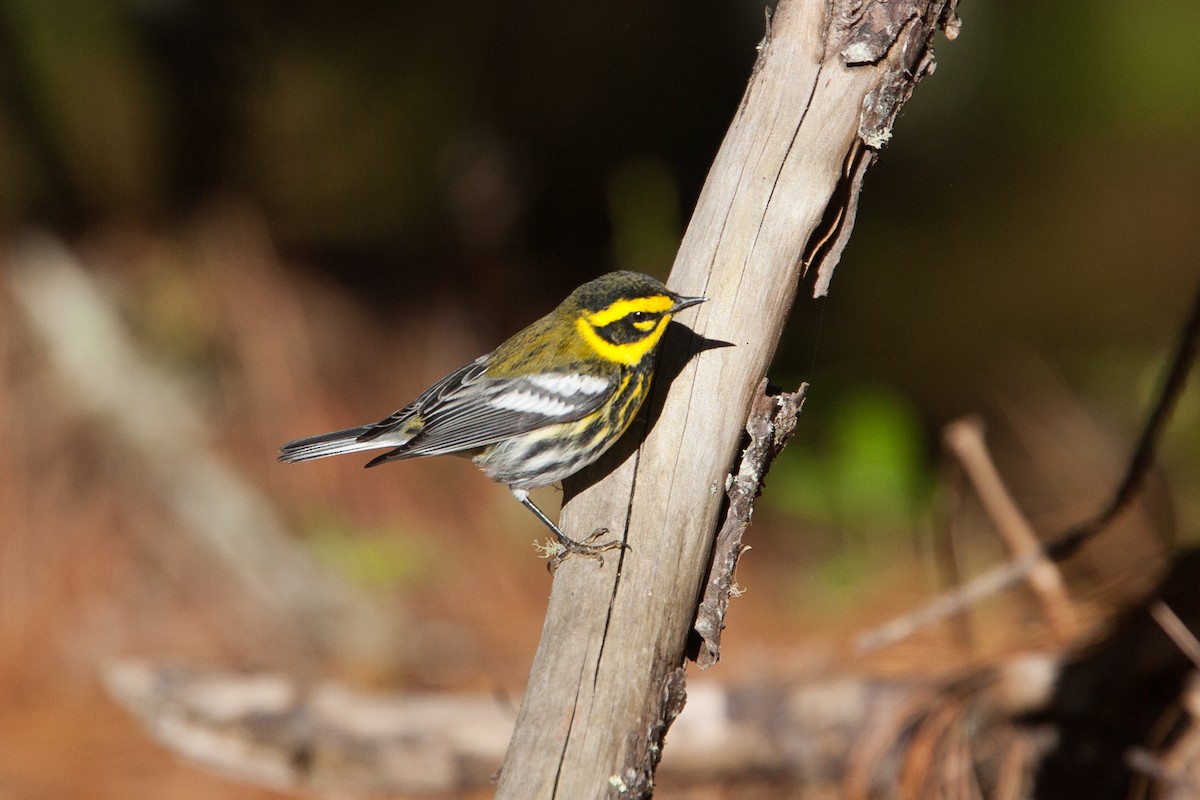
469,409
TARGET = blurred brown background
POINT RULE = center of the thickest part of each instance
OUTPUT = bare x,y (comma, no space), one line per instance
299,215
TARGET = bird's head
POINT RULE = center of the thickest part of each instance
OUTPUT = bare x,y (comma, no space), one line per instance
623,315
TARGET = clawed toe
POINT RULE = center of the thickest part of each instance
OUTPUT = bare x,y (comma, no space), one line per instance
569,547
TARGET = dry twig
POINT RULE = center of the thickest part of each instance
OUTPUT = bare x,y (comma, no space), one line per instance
1069,541
965,439
1174,627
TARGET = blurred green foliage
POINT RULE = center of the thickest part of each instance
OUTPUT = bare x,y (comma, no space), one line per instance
856,486
1132,68
82,107
867,471
389,556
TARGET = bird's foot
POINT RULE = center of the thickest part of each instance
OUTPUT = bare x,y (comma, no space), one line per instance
563,547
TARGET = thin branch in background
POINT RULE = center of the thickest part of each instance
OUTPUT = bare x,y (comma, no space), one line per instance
1068,542
965,439
945,548
157,422
1143,456
1173,774
1143,761
1174,627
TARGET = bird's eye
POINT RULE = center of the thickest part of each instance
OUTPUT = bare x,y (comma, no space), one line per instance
638,316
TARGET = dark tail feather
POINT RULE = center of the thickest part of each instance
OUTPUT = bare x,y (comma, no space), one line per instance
329,444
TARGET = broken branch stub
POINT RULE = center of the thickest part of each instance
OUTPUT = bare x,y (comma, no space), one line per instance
771,424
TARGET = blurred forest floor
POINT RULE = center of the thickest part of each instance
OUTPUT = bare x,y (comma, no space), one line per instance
98,562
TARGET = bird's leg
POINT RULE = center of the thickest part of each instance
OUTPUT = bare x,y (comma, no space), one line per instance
567,545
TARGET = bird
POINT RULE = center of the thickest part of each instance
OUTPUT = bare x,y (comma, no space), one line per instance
540,407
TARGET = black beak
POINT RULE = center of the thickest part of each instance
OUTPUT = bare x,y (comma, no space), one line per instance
686,302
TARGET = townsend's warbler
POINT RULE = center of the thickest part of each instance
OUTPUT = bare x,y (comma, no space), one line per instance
539,407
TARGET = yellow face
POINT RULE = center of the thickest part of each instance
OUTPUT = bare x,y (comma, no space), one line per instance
627,329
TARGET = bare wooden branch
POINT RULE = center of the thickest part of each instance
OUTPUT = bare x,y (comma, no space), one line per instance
772,423
606,678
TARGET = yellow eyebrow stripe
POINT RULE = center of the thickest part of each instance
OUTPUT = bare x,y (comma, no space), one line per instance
621,308
629,354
